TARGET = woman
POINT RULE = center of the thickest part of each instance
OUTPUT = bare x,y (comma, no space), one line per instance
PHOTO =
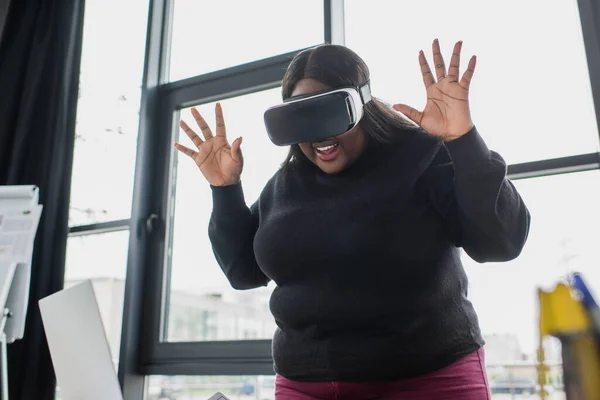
361,234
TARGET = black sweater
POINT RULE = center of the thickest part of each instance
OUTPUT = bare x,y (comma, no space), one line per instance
370,285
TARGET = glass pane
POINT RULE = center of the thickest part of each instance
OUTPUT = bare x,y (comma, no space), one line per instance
112,61
530,97
563,239
88,259
212,35
261,387
202,305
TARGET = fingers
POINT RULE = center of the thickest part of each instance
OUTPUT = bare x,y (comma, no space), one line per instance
454,62
440,68
425,70
221,131
236,152
412,114
468,75
206,132
438,60
186,150
191,134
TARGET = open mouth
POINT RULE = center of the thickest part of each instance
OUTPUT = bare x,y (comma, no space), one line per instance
327,150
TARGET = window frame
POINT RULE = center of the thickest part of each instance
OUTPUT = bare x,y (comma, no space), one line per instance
166,357
147,285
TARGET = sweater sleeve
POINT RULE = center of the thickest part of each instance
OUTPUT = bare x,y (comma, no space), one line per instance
482,209
232,228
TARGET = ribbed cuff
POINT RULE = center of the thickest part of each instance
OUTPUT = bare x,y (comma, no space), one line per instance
227,197
468,151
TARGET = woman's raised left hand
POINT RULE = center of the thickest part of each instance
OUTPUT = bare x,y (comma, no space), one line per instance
446,113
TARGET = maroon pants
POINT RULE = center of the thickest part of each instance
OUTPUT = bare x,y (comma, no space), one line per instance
464,380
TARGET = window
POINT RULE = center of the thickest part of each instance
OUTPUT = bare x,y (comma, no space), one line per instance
519,106
212,35
201,336
88,258
202,304
562,240
108,110
515,109
104,157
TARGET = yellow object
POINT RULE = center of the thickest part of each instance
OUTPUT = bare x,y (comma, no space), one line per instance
563,316
560,313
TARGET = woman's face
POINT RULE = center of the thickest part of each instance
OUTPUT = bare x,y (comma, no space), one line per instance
334,154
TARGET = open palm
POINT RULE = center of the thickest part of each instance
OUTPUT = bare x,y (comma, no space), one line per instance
220,163
447,112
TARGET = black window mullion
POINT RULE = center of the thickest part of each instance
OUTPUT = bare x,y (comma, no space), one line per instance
99,227
554,166
327,20
230,82
227,349
217,366
212,358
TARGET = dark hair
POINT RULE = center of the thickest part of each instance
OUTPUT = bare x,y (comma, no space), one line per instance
338,66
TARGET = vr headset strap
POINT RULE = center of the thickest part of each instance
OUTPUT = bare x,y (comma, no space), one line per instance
365,92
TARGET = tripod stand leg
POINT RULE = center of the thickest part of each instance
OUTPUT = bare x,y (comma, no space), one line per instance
4,366
4,358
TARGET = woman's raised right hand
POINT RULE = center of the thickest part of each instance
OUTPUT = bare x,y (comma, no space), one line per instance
220,163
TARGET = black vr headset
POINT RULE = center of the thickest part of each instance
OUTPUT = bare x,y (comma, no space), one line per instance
316,116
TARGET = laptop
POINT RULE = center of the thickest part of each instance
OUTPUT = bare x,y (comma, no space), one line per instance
78,346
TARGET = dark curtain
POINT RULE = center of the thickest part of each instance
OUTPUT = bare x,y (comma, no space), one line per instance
40,53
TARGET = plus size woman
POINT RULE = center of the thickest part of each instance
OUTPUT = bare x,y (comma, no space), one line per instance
362,232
